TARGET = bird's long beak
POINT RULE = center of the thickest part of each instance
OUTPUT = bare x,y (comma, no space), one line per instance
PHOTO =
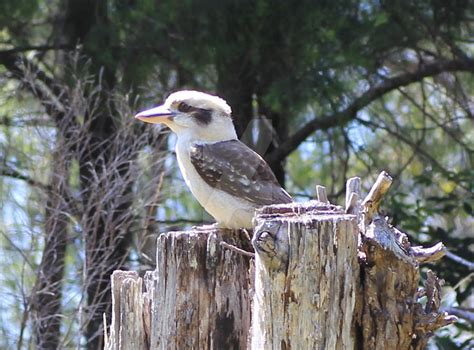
160,114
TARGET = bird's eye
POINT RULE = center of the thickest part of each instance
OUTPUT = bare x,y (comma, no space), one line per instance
183,107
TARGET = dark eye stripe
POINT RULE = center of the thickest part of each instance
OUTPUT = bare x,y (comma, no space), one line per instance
202,116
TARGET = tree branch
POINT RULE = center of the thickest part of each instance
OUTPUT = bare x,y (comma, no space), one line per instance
68,47
415,146
463,313
460,260
49,93
72,203
27,48
349,113
15,174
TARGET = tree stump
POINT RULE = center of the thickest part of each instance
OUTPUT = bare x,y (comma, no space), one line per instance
197,298
306,276
325,277
393,316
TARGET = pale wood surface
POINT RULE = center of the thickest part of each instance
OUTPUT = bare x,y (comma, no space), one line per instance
306,271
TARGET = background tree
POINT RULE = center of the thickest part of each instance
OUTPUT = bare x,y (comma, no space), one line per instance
323,91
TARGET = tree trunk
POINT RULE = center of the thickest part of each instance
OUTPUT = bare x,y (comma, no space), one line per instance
197,298
325,277
47,293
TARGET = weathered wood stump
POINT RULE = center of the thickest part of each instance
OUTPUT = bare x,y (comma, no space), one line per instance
306,275
324,278
392,315
197,298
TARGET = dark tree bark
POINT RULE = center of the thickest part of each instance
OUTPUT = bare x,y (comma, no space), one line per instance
47,293
236,86
274,129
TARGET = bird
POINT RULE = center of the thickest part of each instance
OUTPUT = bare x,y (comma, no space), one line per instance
227,178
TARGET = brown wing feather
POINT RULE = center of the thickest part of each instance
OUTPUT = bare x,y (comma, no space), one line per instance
236,169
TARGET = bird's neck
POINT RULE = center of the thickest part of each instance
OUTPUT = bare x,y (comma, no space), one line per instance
208,134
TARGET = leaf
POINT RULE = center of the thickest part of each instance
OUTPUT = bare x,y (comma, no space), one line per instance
380,19
448,186
416,168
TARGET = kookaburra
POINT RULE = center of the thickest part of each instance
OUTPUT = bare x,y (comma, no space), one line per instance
227,178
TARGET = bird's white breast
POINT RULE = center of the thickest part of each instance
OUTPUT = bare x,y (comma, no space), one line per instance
229,211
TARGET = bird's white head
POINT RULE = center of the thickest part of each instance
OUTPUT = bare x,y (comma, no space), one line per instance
194,115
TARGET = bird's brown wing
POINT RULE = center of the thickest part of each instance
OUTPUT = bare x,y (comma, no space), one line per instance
233,167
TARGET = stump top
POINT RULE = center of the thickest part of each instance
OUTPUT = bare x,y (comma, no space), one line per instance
295,210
